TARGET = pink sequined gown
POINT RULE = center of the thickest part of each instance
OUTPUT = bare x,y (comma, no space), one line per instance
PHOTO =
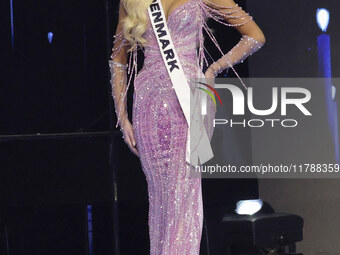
160,128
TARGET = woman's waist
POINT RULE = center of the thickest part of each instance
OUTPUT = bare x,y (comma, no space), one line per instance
156,66
185,51
157,60
156,74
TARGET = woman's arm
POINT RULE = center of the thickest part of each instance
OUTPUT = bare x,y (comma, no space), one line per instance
252,36
118,69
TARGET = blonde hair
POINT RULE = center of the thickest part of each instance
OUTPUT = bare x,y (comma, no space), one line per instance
135,22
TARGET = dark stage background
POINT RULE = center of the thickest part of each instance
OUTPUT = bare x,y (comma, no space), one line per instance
291,48
61,91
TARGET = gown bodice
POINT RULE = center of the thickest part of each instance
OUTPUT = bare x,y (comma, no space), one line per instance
184,24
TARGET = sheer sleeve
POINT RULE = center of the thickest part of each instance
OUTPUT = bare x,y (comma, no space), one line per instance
119,89
244,48
118,79
230,14
119,70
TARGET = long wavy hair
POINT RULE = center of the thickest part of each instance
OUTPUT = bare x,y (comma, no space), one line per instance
135,22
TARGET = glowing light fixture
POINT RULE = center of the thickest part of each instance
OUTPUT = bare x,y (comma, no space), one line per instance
50,37
248,207
322,17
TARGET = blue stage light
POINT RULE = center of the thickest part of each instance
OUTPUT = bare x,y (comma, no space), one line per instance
50,37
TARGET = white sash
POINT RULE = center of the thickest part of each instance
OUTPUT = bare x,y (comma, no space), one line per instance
200,148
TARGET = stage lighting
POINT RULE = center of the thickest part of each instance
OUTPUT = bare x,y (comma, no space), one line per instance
333,92
248,207
50,37
322,17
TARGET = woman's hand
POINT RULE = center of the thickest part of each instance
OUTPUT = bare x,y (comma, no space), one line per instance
209,74
128,135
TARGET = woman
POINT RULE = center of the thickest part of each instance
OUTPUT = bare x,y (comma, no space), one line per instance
159,131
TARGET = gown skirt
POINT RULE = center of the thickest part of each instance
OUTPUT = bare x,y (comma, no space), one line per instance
175,198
